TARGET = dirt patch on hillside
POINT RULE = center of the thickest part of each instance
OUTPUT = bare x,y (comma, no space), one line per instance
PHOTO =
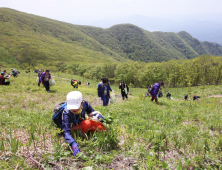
122,162
218,95
95,101
61,78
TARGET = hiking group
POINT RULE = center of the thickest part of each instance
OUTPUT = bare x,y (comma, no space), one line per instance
77,114
155,90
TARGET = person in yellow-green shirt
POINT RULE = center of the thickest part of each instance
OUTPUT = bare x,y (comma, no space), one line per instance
75,83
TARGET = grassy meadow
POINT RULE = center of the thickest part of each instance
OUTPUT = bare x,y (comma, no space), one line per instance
173,134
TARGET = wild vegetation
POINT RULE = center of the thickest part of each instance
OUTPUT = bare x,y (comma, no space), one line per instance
32,39
173,134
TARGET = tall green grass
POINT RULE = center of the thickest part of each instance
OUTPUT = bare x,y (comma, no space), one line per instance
173,134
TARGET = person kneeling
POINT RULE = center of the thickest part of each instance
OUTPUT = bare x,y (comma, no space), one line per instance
2,79
74,118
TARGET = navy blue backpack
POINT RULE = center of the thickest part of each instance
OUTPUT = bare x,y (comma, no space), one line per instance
57,115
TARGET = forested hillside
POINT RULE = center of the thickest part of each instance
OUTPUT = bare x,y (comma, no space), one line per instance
175,73
32,40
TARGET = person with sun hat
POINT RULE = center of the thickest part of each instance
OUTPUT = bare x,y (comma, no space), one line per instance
74,117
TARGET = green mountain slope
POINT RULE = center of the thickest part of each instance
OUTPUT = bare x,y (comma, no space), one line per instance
138,44
201,47
41,39
6,57
33,39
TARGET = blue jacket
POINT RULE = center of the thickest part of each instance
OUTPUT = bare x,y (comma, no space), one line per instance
69,120
101,89
39,75
155,90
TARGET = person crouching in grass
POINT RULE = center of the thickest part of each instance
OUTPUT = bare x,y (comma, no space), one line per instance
74,118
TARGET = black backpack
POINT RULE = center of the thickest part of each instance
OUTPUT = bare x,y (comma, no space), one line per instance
150,88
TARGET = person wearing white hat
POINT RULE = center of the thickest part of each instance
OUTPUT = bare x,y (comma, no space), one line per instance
74,118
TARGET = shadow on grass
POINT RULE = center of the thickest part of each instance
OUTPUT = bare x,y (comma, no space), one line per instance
162,103
52,91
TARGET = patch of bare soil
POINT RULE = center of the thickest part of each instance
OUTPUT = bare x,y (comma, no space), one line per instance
218,95
61,78
122,162
23,137
95,101
3,107
177,99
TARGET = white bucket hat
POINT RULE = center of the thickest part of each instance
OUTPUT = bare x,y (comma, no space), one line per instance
74,100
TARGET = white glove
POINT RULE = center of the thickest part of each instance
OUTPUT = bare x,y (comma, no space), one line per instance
112,90
100,98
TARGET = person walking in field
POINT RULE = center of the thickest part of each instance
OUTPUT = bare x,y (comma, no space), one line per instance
155,90
124,90
195,97
45,77
104,91
39,75
101,82
73,118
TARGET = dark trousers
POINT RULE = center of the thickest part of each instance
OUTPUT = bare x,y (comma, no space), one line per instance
124,95
154,98
46,84
105,100
74,86
6,83
39,83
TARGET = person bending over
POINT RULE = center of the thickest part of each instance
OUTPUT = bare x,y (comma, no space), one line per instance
195,97
155,91
74,118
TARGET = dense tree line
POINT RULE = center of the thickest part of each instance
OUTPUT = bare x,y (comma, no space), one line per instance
175,73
